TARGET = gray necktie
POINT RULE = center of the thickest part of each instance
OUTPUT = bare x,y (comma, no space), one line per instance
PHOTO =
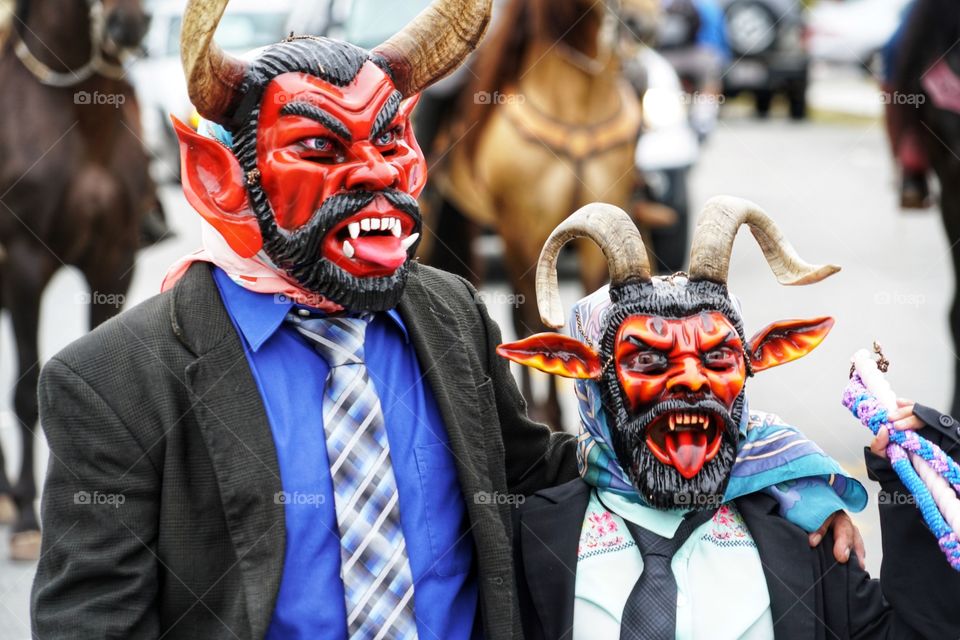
651,609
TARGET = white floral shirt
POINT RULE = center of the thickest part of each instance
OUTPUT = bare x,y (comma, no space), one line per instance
721,589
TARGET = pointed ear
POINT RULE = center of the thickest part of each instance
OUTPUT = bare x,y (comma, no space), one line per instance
214,185
554,353
786,341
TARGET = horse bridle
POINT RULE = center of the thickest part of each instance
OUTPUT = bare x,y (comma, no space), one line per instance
96,65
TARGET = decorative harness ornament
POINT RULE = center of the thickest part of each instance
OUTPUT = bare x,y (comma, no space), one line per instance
97,64
931,476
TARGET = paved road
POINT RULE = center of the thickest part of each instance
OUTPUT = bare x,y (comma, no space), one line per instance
830,188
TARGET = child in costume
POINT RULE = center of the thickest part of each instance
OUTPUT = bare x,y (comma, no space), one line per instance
679,526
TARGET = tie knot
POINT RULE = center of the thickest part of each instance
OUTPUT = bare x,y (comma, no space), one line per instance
339,340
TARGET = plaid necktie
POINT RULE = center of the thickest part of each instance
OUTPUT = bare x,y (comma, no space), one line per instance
374,566
651,609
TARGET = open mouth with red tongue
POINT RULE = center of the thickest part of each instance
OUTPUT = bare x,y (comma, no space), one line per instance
373,242
685,440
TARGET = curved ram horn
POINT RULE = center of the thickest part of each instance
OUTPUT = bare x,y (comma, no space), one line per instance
435,42
213,77
616,234
712,244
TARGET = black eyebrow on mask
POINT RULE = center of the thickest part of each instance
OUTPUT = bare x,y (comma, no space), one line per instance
312,111
386,115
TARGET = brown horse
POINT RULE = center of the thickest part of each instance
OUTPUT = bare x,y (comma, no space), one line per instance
74,184
549,125
928,52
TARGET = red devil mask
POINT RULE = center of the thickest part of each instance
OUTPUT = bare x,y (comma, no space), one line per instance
670,357
324,170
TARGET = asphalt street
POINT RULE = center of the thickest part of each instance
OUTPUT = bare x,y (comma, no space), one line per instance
830,186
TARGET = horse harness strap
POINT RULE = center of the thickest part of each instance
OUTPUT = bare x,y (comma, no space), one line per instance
95,65
577,142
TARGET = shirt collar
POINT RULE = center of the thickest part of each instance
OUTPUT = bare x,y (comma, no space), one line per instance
663,522
260,315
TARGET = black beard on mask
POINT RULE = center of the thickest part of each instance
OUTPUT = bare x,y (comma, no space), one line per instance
661,485
299,254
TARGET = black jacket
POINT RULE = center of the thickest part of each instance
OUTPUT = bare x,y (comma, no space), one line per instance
159,406
811,595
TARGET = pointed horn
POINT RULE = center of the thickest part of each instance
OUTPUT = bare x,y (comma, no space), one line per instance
713,238
435,43
616,234
213,77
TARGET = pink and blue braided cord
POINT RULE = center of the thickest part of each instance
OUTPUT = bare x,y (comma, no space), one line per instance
862,404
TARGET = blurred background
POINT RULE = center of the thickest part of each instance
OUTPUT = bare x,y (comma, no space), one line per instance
793,105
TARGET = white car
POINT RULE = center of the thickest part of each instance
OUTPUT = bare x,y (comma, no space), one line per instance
158,77
853,31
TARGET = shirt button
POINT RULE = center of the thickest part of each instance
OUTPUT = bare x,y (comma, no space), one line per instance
303,312
498,581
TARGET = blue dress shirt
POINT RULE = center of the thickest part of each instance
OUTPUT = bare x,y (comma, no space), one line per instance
291,377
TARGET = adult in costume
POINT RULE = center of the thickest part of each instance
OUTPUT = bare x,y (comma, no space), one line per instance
665,535
306,434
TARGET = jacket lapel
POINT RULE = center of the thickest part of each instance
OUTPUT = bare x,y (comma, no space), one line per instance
790,577
549,536
239,440
445,364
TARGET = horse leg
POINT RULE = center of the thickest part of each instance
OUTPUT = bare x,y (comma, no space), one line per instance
28,270
109,281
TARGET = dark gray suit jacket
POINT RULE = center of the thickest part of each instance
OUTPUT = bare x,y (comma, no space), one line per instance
812,596
159,507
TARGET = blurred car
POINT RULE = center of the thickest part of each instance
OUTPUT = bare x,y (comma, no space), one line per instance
158,78
854,31
766,38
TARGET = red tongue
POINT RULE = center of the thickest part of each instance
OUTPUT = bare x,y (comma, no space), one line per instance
687,450
382,250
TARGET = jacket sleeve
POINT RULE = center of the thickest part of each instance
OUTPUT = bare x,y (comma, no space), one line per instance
536,457
918,594
97,576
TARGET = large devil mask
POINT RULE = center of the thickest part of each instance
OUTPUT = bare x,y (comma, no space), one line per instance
324,170
672,359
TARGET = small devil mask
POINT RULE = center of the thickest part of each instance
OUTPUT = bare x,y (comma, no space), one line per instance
672,359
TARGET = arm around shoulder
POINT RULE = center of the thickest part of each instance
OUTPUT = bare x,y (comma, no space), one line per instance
536,457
